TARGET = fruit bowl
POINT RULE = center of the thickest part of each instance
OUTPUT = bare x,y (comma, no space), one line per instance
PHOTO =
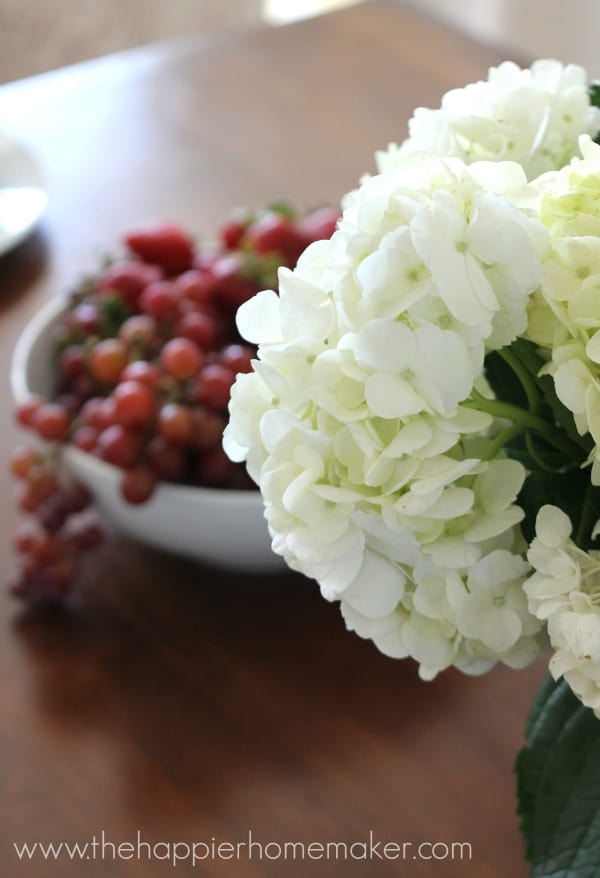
222,527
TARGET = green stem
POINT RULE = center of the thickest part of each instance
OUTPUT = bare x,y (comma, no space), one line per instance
536,456
527,420
531,391
502,439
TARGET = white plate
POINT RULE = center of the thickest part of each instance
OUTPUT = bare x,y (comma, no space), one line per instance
22,196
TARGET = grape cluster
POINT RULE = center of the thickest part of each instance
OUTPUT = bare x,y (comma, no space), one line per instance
51,543
147,351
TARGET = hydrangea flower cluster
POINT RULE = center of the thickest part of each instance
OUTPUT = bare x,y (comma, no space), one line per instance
564,592
390,472
533,116
564,315
359,422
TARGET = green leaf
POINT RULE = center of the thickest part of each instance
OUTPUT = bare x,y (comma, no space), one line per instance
551,707
594,93
559,786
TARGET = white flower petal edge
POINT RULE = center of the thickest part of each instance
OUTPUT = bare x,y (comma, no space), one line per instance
531,116
564,592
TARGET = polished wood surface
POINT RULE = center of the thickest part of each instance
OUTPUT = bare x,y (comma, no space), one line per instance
176,700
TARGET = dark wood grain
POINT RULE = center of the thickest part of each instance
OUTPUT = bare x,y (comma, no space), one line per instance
176,700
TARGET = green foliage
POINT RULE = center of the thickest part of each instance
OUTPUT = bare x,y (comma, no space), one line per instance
558,778
553,477
113,311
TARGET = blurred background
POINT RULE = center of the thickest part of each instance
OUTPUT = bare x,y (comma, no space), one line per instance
40,35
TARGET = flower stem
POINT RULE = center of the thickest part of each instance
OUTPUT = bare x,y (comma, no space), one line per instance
535,455
502,439
531,391
527,420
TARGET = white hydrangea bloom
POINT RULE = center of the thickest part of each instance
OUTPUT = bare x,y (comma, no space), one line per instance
356,421
564,590
469,616
564,315
532,116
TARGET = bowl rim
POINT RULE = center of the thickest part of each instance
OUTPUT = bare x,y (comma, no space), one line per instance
21,356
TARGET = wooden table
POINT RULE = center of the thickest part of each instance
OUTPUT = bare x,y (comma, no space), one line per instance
182,702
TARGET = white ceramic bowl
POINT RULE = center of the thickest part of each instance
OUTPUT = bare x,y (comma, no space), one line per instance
221,527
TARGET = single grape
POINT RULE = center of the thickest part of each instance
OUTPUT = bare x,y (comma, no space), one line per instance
26,411
72,362
51,422
199,327
76,498
139,331
119,446
138,484
159,301
195,286
175,424
213,386
181,358
135,404
108,359
85,438
22,462
238,357
142,372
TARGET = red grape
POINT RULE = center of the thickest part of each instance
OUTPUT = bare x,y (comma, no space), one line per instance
51,421
138,330
26,537
138,484
108,359
25,411
175,424
85,438
238,357
231,233
181,358
76,498
159,301
231,286
213,386
200,328
128,279
119,446
274,233
22,462
163,243
72,362
86,318
196,286
319,224
142,372
135,404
